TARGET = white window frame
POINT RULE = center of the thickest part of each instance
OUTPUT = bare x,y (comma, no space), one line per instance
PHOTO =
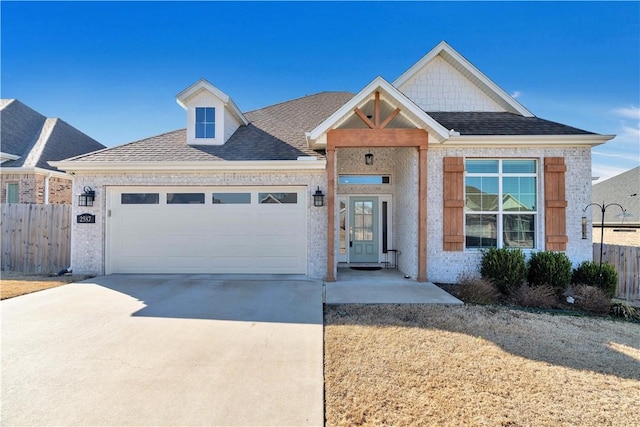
500,212
205,123
17,192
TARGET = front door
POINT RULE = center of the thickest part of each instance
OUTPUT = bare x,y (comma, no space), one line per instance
363,229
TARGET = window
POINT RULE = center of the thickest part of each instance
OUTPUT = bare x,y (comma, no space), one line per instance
139,198
278,198
363,222
500,203
205,122
363,179
12,193
231,198
185,198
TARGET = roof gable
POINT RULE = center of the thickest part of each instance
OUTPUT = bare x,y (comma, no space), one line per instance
20,127
443,80
203,85
391,96
34,139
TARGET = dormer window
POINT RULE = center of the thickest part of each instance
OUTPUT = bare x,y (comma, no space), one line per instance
205,122
212,117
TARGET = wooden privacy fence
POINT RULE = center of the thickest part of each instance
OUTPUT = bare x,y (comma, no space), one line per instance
36,238
626,260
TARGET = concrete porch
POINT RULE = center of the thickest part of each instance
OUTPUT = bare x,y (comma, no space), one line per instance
385,286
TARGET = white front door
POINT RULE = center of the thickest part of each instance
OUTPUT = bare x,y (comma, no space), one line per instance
207,230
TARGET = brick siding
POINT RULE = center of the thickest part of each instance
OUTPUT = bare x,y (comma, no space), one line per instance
31,188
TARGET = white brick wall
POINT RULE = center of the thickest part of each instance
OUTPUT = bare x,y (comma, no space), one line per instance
351,162
88,241
446,266
440,87
88,253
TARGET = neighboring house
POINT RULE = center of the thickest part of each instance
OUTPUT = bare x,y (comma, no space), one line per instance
233,192
619,228
28,140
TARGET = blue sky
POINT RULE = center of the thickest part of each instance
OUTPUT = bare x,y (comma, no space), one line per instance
113,69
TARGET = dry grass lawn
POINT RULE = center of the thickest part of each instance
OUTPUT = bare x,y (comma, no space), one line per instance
478,366
16,284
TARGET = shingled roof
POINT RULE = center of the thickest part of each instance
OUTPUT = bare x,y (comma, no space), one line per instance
37,139
276,132
501,123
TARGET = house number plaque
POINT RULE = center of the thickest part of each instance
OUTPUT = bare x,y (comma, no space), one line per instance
86,218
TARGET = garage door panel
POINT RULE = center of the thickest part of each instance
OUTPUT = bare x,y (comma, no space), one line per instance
207,238
170,244
222,251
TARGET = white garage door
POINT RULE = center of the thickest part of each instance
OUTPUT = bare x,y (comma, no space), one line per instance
206,230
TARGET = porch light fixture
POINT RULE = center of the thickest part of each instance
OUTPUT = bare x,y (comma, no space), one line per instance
584,228
368,158
87,197
318,198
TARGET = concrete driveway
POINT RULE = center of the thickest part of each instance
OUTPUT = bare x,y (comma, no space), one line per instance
165,350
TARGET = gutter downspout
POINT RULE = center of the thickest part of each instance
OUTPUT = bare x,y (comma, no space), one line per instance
46,188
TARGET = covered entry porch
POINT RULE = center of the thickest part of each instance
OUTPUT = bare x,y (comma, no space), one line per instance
377,190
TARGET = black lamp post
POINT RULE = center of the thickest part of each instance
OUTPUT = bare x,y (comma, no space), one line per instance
603,209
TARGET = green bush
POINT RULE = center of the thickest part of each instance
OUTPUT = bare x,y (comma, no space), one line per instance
505,268
550,269
587,273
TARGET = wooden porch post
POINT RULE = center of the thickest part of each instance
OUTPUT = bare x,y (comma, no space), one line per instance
330,277
422,213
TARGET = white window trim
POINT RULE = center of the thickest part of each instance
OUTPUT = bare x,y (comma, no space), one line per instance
500,213
17,192
195,123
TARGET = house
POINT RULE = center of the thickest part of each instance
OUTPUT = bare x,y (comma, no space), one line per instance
29,141
392,162
620,228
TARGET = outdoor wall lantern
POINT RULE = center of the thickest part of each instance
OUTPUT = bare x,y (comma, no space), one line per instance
318,198
87,197
584,228
368,158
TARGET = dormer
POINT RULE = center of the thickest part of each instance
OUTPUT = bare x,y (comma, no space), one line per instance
212,116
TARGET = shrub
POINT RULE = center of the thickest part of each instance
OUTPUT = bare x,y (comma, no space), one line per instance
477,290
505,268
542,296
587,273
593,299
626,311
551,269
